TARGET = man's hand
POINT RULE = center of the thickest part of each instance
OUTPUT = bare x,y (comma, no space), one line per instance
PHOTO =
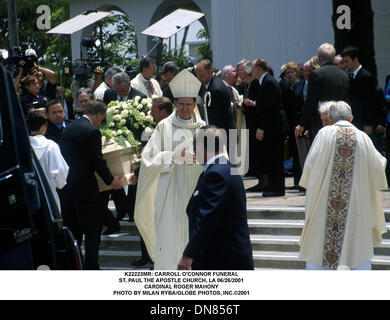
299,131
116,184
184,156
185,263
133,179
249,103
260,134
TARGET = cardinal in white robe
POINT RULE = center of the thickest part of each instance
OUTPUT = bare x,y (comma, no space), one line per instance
168,177
343,175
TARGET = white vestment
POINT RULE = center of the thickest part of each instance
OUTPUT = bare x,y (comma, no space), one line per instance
164,189
365,221
99,92
138,83
53,164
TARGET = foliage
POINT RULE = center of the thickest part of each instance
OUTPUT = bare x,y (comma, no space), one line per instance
119,38
178,56
120,42
126,121
204,51
361,33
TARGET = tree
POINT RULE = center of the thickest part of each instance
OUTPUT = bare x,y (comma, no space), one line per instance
178,56
204,51
361,33
29,33
119,41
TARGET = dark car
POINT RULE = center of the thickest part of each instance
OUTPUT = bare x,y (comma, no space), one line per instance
32,234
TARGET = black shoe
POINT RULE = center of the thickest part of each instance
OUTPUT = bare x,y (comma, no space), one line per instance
111,230
268,194
141,262
256,188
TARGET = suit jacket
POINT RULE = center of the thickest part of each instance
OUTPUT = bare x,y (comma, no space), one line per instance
218,226
268,106
69,105
362,99
54,133
111,95
220,112
81,147
327,83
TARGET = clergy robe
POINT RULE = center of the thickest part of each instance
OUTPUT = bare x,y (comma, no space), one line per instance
53,164
164,189
354,189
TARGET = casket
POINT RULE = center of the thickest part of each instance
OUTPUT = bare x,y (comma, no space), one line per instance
120,161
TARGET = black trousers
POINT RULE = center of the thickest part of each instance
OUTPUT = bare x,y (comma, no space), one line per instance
269,161
84,218
121,202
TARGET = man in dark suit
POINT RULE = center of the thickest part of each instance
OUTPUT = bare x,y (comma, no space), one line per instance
269,145
363,95
56,120
218,225
67,103
220,112
81,147
121,89
327,83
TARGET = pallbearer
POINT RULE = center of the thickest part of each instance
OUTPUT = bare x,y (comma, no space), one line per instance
168,177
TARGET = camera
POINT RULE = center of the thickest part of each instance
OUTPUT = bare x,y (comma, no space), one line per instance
15,54
82,68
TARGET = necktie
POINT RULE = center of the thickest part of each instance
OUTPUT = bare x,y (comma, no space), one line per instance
305,89
149,87
231,94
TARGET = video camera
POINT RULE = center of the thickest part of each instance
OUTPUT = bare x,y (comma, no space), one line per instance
15,54
82,68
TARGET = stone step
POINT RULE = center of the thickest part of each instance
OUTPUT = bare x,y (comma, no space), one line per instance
285,213
129,227
275,213
274,232
121,241
289,260
275,243
275,227
109,258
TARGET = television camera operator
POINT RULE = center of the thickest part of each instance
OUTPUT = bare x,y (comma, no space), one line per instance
26,62
87,73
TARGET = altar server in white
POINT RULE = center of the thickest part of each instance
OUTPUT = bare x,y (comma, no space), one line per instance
343,176
168,177
48,153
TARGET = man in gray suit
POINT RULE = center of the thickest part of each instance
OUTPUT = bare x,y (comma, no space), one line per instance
327,83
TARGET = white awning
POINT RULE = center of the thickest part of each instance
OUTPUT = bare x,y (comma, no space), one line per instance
79,22
172,23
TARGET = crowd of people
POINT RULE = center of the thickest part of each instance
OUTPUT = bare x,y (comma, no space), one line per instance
281,115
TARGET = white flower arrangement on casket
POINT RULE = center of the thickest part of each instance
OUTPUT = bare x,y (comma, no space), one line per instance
126,120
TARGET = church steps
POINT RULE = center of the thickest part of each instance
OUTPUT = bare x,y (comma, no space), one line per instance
122,241
275,227
274,232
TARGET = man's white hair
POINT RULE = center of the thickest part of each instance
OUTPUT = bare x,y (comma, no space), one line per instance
340,110
324,106
225,69
326,52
